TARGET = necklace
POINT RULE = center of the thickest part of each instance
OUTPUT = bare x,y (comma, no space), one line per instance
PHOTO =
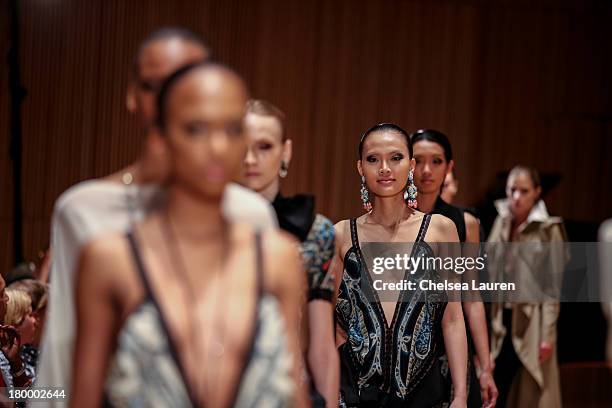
395,226
196,331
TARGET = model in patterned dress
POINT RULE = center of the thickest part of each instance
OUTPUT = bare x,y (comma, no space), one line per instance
266,163
390,348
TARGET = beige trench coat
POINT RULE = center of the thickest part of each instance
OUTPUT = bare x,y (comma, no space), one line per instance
535,385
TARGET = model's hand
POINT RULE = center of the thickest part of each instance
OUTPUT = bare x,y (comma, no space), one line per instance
546,350
458,403
479,367
488,389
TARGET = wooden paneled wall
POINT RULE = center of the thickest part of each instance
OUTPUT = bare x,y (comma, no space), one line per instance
509,81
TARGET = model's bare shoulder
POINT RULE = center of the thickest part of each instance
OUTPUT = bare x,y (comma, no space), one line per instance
343,238
280,243
281,259
472,227
442,229
341,231
105,259
470,220
106,247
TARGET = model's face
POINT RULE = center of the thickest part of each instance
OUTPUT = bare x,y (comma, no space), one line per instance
521,193
265,151
204,131
450,188
431,166
385,163
157,62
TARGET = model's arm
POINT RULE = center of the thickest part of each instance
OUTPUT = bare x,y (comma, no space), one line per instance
336,271
453,326
288,284
455,341
475,313
322,354
97,318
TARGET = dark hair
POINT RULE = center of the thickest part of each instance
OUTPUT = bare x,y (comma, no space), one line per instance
531,172
385,127
435,136
24,270
265,108
172,80
169,33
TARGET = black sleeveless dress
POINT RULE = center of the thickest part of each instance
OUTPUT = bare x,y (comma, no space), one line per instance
389,365
456,215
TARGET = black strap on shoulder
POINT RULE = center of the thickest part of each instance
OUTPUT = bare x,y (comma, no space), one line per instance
259,268
140,268
423,229
354,237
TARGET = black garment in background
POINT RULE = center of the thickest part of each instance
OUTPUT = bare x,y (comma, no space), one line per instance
454,213
507,363
295,214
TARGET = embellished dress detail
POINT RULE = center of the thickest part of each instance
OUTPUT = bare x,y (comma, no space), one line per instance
317,252
389,365
146,370
315,232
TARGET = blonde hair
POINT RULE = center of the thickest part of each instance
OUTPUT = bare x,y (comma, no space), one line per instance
18,306
34,288
265,108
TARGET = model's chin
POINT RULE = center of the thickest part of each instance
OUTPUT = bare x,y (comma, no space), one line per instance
246,182
518,212
428,189
212,192
254,184
388,192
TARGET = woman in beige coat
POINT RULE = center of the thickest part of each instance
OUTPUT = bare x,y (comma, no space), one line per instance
524,335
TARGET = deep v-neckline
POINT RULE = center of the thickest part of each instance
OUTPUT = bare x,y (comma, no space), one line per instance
420,237
171,338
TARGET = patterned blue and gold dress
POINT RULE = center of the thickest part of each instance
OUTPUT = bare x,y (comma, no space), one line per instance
315,232
396,364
